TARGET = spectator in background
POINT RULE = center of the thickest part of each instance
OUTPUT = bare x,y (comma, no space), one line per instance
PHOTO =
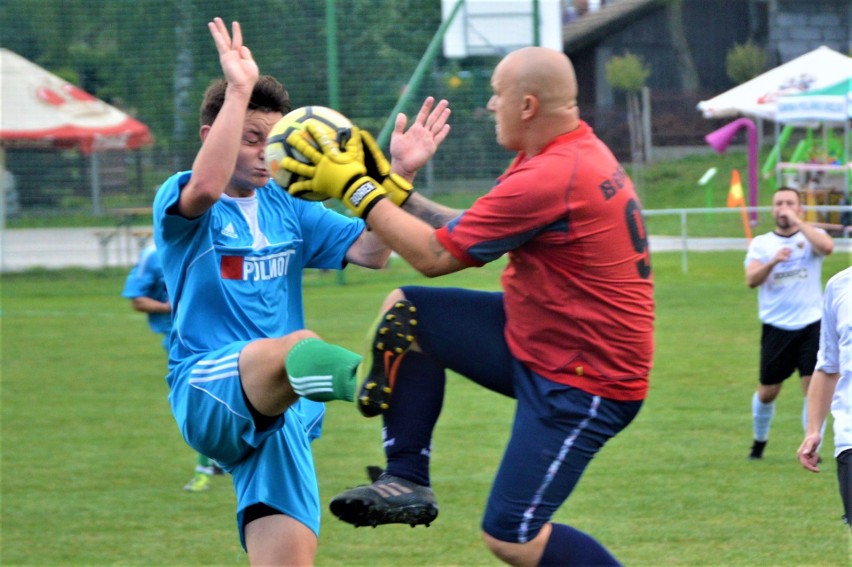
831,387
145,287
569,12
786,266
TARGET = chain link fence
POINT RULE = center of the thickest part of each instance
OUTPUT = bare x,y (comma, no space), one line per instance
154,58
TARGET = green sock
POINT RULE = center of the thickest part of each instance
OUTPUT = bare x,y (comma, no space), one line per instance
203,464
322,372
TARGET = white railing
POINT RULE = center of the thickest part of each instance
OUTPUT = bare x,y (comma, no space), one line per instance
686,243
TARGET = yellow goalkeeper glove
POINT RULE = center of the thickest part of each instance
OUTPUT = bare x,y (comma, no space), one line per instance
334,173
397,188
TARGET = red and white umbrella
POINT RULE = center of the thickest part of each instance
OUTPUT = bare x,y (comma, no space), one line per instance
39,109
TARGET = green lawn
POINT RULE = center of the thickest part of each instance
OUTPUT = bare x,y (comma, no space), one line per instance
93,465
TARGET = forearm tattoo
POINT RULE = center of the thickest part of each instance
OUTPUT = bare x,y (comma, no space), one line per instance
433,214
436,248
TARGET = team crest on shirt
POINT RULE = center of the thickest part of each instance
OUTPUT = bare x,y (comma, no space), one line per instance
256,268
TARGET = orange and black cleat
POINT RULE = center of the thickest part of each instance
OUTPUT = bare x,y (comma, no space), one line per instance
389,339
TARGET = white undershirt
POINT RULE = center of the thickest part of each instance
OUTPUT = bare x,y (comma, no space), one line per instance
248,205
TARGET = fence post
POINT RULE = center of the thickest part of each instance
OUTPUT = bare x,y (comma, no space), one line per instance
683,237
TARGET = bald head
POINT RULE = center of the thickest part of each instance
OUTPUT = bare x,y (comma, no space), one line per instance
534,98
546,74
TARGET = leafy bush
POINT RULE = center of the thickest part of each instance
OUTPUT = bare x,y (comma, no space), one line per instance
744,62
627,72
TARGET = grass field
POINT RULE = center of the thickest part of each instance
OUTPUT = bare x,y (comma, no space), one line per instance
93,465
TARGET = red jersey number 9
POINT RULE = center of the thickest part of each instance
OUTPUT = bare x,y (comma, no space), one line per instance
639,237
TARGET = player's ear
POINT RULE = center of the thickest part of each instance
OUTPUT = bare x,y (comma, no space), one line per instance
202,133
529,107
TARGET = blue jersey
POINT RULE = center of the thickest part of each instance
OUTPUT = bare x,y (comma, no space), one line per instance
228,266
234,275
146,280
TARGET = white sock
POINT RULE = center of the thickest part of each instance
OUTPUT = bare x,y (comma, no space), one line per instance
762,415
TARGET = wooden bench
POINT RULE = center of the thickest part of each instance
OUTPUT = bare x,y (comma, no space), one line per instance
104,238
142,236
107,236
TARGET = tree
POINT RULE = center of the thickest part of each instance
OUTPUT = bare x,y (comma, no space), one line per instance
627,73
685,64
744,62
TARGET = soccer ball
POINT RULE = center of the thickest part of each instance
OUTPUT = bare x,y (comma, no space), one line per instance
277,148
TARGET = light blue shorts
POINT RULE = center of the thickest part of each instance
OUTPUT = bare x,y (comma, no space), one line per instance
274,465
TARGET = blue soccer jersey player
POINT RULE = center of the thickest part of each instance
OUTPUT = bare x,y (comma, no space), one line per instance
145,287
246,378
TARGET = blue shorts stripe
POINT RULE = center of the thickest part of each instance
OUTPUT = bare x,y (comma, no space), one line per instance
213,415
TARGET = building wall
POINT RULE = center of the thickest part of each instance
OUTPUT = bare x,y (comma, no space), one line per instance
785,28
799,26
712,27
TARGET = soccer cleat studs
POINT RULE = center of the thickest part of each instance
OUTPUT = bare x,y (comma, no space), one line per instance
391,337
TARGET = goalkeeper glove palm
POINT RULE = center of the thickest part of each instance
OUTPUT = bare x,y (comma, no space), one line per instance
334,173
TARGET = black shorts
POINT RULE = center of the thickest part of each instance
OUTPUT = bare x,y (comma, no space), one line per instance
844,478
782,352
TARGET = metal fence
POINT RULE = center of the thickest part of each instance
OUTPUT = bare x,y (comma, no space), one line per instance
684,243
108,246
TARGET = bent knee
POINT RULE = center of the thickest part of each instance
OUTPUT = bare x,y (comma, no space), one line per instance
499,548
392,298
291,339
519,554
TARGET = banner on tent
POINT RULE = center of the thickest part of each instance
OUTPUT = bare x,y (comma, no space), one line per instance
828,108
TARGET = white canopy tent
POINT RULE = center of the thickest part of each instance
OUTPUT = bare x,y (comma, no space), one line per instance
758,97
831,104
829,107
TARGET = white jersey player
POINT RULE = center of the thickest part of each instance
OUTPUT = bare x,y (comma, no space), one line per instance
786,267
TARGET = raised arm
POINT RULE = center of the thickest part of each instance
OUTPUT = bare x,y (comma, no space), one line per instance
819,239
411,149
215,162
413,239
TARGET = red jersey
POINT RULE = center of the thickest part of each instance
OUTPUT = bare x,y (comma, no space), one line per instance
578,287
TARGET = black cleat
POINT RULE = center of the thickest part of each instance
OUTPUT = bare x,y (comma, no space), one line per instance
390,338
389,500
374,472
757,450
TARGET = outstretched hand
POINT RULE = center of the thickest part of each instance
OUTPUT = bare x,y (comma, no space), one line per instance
237,62
411,149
